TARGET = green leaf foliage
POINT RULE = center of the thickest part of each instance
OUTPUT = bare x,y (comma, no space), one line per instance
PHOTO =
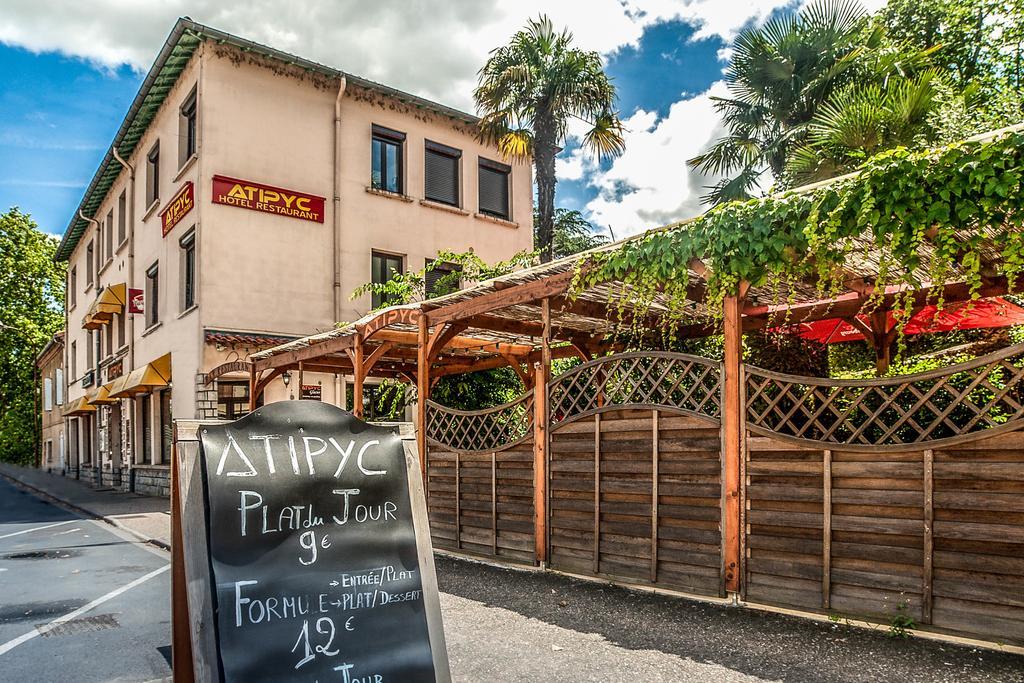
966,194
31,311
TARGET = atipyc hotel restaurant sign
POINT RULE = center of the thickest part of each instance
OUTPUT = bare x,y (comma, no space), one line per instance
178,207
267,198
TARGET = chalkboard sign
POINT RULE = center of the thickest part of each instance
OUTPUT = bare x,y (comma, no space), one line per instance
317,550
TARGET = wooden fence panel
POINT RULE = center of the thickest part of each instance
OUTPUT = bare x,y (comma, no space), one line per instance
784,510
978,564
482,503
877,534
636,496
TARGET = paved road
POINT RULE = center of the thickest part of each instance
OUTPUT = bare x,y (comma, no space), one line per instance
79,600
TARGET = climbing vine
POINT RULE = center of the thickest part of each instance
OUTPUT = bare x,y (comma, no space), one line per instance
965,201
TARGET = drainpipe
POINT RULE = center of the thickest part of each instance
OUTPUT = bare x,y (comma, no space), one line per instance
93,440
131,252
336,241
128,415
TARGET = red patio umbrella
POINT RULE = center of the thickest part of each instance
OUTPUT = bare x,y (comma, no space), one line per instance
987,313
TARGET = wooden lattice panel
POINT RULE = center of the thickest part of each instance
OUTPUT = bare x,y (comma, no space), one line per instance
943,406
642,379
481,431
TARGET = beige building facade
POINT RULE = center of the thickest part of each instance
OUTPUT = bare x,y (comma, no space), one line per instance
247,194
52,455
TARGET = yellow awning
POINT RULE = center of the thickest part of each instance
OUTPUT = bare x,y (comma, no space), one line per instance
80,406
145,379
101,395
111,300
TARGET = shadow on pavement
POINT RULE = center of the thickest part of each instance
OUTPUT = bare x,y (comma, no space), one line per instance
763,644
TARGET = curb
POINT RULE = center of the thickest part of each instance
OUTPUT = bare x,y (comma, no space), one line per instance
68,505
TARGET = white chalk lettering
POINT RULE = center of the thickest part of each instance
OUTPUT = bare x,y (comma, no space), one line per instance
239,600
266,438
359,459
309,455
345,452
251,472
346,493
244,507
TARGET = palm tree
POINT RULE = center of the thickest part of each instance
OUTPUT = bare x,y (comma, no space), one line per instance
779,76
861,120
527,93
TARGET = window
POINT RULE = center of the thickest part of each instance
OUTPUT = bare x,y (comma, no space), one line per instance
60,385
383,267
441,173
122,218
188,270
98,341
120,329
166,427
109,234
73,286
233,399
90,267
153,175
73,357
89,346
386,165
146,428
153,295
494,188
187,129
110,339
440,279
47,394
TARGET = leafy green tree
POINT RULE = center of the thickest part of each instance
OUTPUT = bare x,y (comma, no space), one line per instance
980,53
573,233
31,310
529,90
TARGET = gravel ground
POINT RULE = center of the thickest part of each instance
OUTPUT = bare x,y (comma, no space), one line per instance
505,625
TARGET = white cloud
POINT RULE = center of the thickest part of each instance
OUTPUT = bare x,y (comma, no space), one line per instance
435,47
650,184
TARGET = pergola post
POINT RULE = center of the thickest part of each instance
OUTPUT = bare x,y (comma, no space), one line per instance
542,374
358,375
422,391
253,387
732,439
881,340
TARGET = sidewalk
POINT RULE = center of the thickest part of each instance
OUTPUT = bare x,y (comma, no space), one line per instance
147,517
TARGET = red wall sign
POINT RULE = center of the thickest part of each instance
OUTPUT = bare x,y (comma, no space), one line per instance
136,301
178,207
268,199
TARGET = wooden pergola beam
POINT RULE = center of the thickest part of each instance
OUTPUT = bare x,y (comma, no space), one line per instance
851,304
526,292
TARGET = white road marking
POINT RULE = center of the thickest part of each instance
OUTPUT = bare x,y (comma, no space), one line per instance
39,528
11,644
69,531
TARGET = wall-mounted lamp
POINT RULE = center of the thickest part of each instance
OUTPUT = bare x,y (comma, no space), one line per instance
286,377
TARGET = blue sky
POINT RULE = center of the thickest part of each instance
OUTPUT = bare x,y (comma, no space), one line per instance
69,77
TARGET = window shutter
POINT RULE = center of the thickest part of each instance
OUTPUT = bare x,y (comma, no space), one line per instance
47,394
493,191
441,171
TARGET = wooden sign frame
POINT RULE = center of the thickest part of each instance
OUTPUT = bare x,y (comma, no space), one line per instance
193,642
